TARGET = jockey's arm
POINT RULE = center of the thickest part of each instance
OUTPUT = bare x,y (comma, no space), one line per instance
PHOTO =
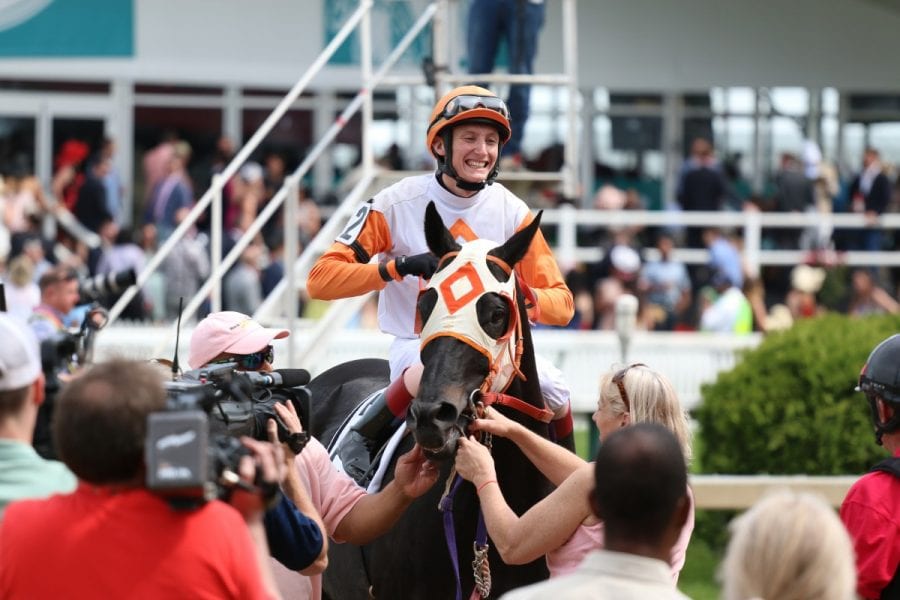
539,270
337,274
344,271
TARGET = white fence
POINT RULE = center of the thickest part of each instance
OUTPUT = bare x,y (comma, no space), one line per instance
688,359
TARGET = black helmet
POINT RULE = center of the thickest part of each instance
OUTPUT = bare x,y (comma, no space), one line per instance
880,378
881,374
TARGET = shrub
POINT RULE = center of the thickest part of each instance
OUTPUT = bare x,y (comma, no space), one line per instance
789,406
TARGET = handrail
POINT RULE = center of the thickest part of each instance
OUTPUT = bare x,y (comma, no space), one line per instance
751,223
239,159
57,211
304,262
316,246
294,179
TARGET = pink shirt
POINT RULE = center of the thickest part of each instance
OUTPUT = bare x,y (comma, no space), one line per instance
567,557
334,494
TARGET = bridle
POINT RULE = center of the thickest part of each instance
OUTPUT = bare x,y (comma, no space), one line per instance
459,284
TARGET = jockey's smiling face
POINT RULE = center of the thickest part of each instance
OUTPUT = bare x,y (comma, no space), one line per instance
475,148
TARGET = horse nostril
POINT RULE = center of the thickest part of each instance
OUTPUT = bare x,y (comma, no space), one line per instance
446,413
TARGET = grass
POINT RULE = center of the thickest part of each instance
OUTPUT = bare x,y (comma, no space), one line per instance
697,578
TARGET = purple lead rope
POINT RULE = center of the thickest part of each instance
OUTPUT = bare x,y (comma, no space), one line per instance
450,534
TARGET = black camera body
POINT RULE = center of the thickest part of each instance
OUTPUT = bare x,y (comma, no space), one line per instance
192,449
63,352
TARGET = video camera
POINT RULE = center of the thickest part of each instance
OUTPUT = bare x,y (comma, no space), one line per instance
64,352
192,449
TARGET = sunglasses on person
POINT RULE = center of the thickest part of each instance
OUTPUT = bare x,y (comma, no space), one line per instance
461,104
619,380
253,361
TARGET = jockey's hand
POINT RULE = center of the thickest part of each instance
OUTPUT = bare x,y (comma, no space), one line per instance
494,422
414,473
423,265
474,461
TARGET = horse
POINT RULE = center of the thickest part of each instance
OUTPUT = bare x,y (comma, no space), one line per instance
463,365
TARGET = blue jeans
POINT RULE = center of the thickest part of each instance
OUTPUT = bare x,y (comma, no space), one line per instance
518,23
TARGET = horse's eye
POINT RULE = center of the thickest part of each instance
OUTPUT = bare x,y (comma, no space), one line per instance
498,315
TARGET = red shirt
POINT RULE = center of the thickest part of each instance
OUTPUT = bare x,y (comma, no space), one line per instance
871,513
94,543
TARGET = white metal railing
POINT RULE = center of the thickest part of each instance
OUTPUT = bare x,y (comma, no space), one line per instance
688,359
718,492
751,223
238,160
62,216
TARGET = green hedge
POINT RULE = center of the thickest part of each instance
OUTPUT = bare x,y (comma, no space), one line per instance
789,406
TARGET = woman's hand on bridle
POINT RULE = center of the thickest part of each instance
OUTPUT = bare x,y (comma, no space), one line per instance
493,422
474,461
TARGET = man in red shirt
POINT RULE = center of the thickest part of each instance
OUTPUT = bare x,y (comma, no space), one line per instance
871,510
113,538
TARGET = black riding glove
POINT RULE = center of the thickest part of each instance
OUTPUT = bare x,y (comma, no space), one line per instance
423,265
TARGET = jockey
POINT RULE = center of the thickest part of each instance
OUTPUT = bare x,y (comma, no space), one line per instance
466,132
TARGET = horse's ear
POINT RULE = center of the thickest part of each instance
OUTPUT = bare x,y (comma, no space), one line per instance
515,247
439,239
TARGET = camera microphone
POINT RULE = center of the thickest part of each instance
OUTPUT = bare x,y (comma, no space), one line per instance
280,377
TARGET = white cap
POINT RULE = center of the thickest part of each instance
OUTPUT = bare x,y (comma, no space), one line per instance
20,356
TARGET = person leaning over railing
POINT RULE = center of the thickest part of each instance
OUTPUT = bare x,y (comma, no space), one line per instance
562,526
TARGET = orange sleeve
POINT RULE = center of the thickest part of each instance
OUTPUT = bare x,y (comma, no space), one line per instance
344,271
538,269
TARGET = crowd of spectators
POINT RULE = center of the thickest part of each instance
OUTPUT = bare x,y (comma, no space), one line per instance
723,294
87,185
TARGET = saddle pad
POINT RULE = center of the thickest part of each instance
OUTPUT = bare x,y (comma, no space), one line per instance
389,448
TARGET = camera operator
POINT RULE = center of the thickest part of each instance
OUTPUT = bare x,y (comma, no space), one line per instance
113,538
347,511
59,295
23,473
294,528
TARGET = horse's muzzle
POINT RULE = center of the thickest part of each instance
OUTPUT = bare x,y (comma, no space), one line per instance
435,427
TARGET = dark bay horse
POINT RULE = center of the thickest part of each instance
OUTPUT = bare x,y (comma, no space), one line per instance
463,357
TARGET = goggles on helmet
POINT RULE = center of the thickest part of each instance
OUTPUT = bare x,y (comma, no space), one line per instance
460,104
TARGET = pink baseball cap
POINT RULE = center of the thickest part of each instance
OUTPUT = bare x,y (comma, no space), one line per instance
232,332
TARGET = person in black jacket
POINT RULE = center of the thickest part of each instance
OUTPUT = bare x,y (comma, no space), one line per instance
869,195
91,208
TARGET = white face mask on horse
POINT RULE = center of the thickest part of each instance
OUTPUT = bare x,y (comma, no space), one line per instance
459,286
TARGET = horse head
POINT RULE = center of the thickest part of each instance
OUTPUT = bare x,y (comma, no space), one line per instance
471,331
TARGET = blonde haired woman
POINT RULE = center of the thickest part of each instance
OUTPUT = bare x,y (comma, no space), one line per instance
789,546
562,525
